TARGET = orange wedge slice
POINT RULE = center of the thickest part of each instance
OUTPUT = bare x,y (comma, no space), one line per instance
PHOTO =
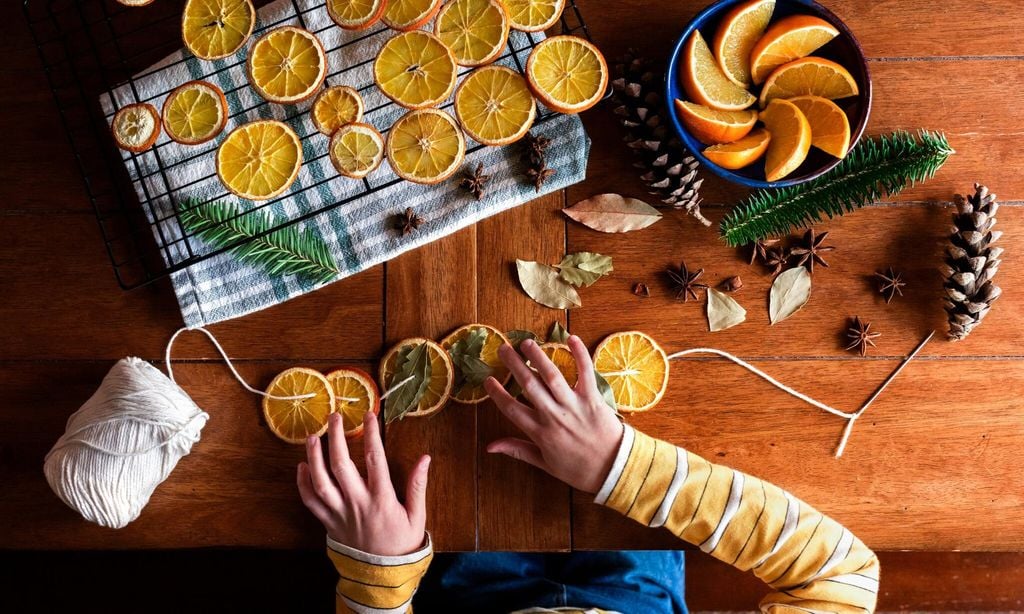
195,112
635,367
534,15
355,393
741,153
356,14
259,160
790,140
567,73
811,76
415,69
705,83
786,40
438,390
407,15
475,30
466,392
494,105
712,126
562,357
214,29
830,128
336,106
739,30
293,420
425,146
135,127
356,150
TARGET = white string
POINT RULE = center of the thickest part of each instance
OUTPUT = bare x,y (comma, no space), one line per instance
224,355
388,392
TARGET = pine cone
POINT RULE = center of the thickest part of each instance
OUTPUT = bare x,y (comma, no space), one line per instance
670,171
971,262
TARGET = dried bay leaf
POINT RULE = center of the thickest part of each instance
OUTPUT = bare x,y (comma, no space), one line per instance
465,354
584,268
613,213
558,333
543,284
414,365
723,311
607,393
517,336
790,292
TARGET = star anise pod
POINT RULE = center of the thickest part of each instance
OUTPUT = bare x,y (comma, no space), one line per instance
890,283
537,144
685,283
537,169
860,336
810,250
408,221
539,175
640,289
759,249
474,182
776,259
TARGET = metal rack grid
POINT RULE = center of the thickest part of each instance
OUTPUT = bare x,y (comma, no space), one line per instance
90,48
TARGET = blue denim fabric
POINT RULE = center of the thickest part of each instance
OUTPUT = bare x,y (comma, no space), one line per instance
630,582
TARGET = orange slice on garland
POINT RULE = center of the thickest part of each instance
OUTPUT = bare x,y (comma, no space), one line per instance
467,392
635,367
439,387
355,393
293,420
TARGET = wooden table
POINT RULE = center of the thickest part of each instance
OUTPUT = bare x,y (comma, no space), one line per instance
935,465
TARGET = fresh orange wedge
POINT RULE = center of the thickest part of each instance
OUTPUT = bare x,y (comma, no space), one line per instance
407,15
355,393
292,420
635,367
467,392
356,14
811,76
790,140
705,83
741,153
786,40
135,127
739,30
439,388
830,128
562,357
567,73
712,126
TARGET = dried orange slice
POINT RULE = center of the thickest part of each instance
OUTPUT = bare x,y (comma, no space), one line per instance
636,368
356,150
134,2
407,15
562,357
495,106
741,153
475,30
786,40
712,126
830,128
336,106
705,83
791,138
739,30
135,127
492,339
534,15
356,14
294,420
259,160
287,65
567,73
809,77
425,146
439,388
195,112
415,69
214,29
355,393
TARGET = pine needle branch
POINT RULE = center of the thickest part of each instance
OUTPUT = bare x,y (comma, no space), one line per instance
878,167
287,251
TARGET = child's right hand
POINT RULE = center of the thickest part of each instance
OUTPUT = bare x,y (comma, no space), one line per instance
573,434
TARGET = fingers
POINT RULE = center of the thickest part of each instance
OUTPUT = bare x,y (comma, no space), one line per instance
308,495
342,467
587,382
377,474
521,450
534,390
323,487
549,373
416,493
517,413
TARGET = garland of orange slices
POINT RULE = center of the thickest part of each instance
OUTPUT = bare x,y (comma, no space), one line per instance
415,68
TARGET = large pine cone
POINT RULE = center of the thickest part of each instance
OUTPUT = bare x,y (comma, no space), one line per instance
971,262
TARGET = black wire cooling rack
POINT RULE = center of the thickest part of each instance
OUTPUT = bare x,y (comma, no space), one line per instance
91,49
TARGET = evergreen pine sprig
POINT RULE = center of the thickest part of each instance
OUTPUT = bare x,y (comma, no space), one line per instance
287,251
878,167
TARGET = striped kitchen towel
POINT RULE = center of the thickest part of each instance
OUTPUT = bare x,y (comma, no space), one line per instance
359,231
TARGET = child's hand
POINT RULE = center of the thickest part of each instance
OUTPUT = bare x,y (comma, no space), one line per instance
365,515
573,434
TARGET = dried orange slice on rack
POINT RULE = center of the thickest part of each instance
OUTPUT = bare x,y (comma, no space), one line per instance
415,69
741,153
791,138
293,420
439,386
214,29
561,356
356,150
356,14
336,106
495,106
786,40
425,146
355,393
287,65
830,128
705,83
135,127
406,15
567,73
259,160
738,32
635,367
475,30
135,2
713,126
195,112
534,15
809,77
490,339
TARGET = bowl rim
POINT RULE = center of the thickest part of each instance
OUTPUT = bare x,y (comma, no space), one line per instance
696,148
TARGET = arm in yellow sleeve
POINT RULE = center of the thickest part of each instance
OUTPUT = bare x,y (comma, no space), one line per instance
812,562
372,584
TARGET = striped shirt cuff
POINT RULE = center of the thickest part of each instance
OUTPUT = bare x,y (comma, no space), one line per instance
625,447
383,561
375,584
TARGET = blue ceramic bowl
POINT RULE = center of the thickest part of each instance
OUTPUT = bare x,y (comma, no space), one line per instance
843,49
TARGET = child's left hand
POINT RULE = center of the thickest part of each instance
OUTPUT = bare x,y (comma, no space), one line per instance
363,514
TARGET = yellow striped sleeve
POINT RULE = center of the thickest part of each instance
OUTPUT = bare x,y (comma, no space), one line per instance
811,561
372,584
